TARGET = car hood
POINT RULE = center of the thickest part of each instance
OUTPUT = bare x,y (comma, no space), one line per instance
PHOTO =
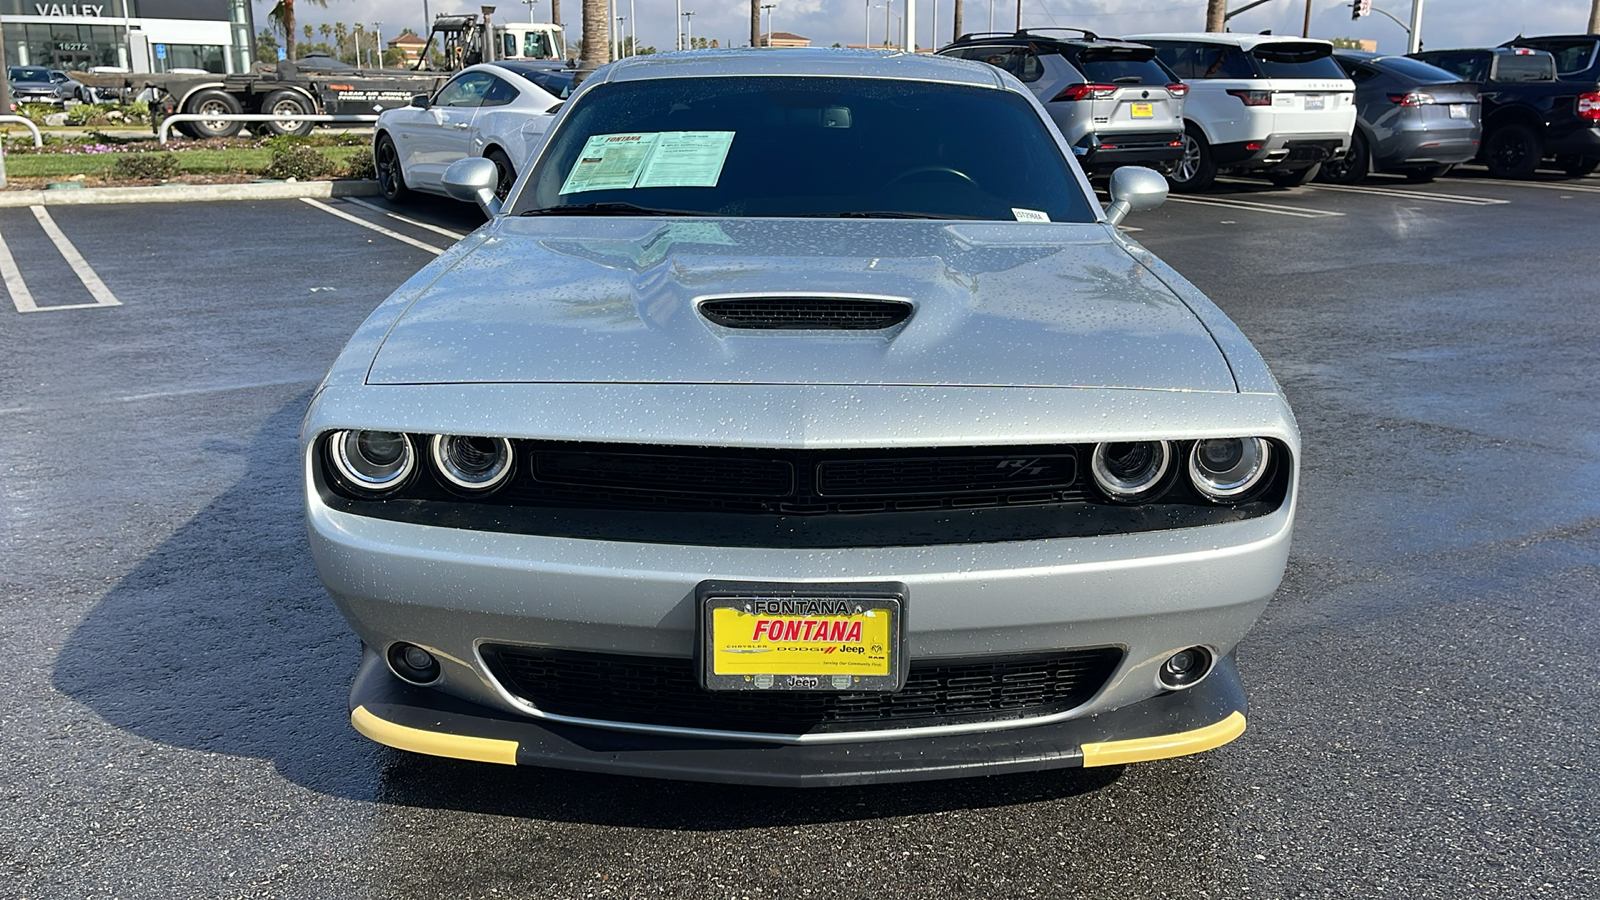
613,300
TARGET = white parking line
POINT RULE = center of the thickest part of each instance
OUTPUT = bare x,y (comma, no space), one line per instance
21,297
80,267
1256,206
1573,186
378,228
433,228
1411,195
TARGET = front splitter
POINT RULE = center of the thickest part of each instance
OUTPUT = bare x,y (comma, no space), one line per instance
423,720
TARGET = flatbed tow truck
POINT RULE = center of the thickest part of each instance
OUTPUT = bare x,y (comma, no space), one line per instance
287,89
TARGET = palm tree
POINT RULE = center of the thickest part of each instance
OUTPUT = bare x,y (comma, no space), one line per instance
1216,10
596,48
755,23
308,31
282,18
326,31
955,29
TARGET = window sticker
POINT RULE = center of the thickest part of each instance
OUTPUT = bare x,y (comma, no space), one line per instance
687,159
610,162
1029,215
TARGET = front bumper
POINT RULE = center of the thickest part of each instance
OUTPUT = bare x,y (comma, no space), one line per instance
421,720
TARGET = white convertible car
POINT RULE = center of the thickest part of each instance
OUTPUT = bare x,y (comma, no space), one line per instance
498,111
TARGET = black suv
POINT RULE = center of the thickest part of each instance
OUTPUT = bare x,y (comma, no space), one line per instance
1115,103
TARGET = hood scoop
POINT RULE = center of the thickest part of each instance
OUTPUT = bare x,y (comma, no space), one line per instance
824,313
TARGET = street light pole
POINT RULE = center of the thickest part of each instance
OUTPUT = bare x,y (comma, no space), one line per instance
1416,27
769,7
911,26
866,22
377,31
688,28
677,23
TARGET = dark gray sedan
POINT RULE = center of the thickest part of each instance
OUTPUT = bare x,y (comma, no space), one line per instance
1412,119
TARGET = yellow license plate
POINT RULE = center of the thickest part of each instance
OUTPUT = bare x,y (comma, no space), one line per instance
1144,110
797,643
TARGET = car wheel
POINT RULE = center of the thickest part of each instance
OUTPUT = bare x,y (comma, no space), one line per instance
1293,177
508,174
1353,167
1512,151
1426,173
287,103
1578,166
213,102
1194,170
391,178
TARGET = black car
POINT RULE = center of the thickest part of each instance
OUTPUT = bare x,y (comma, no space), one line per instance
1411,118
1528,113
1577,59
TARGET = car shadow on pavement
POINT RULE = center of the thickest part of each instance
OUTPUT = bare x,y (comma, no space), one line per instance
222,640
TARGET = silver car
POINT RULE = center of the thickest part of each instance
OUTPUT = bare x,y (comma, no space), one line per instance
785,428
1115,103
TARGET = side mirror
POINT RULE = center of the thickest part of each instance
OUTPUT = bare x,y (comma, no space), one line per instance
1135,189
420,101
474,179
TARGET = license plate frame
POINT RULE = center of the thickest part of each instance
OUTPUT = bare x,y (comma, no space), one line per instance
1316,102
800,660
1143,110
1459,111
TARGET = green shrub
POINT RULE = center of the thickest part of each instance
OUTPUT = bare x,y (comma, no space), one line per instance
86,114
299,163
144,166
37,111
360,166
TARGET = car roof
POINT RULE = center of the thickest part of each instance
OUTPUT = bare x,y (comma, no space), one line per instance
1503,51
814,62
527,68
1243,41
1363,55
1033,36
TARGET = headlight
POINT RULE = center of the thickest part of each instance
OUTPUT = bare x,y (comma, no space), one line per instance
1130,471
375,461
472,463
1224,468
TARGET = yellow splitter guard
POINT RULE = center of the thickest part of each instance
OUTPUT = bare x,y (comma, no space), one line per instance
801,637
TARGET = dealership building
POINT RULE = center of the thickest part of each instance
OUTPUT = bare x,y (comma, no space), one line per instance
136,35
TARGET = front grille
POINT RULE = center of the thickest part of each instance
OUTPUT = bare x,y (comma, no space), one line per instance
658,691
797,313
797,482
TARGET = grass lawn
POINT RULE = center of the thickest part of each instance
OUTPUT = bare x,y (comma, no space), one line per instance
193,162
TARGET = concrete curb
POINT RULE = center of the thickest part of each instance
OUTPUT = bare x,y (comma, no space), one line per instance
190,193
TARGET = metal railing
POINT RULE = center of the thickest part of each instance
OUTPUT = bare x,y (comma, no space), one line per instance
38,139
169,121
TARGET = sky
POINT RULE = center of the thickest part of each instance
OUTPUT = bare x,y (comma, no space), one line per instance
1446,23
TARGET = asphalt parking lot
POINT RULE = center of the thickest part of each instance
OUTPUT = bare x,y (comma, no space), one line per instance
1424,719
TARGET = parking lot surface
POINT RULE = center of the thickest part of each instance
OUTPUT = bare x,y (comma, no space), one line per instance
1424,718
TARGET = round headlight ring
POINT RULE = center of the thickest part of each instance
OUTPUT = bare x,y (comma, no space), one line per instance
475,464
372,461
1129,471
1224,469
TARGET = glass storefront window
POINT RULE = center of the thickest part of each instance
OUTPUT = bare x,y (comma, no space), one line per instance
192,56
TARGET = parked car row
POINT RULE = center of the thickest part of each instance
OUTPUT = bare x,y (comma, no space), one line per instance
37,84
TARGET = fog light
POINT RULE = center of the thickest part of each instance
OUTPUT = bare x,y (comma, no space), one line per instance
412,663
1185,668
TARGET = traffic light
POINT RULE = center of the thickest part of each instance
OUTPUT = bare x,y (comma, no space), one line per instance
1359,8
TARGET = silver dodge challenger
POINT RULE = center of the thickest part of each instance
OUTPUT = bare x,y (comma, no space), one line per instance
801,418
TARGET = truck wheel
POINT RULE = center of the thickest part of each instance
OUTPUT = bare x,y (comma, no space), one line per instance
1293,177
1195,170
508,174
1512,151
215,102
1353,167
391,178
287,103
1578,166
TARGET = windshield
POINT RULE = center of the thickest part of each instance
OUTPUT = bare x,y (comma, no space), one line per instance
1122,67
806,146
1295,60
27,73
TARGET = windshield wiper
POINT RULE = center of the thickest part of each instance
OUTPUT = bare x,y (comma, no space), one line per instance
608,209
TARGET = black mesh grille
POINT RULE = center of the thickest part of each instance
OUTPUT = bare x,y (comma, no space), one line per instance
657,691
943,475
718,475
835,313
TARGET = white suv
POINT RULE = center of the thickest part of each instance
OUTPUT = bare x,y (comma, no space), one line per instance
1257,103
